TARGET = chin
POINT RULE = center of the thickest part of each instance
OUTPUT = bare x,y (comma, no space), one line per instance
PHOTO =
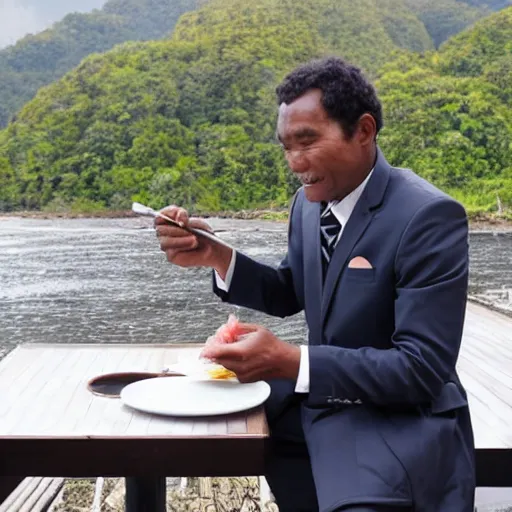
314,196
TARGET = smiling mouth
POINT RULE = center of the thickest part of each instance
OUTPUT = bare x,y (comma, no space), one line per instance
308,181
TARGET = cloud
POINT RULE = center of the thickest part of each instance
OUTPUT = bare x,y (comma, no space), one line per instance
21,17
17,20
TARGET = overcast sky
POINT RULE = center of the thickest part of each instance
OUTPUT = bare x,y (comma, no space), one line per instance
21,17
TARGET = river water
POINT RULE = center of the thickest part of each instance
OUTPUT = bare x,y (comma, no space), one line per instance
106,281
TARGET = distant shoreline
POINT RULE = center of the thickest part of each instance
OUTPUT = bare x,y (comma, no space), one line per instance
476,223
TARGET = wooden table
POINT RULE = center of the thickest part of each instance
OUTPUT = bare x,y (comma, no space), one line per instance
51,425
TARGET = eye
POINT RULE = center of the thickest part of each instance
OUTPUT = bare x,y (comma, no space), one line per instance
307,143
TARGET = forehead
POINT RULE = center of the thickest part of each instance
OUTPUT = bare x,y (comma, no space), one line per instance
307,110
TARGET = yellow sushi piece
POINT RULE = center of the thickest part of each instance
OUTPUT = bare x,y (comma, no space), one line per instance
221,374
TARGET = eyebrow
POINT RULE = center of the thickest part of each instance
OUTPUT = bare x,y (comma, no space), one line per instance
305,133
300,134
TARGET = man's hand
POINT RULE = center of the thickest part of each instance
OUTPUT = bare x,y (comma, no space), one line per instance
186,249
257,356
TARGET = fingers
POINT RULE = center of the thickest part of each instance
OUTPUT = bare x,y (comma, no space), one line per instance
245,371
224,351
243,328
175,213
172,238
178,243
247,336
180,215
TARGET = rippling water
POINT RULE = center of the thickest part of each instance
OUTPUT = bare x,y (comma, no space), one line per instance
106,281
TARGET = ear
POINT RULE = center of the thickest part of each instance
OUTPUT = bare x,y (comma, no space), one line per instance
366,129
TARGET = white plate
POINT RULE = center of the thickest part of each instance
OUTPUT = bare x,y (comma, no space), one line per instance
182,396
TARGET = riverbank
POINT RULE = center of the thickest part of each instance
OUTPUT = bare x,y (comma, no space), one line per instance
270,214
477,222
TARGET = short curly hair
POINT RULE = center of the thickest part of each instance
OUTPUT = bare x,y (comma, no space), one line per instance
346,93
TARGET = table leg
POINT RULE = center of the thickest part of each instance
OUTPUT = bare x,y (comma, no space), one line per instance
145,494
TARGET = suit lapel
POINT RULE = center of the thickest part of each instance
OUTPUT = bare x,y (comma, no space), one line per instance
361,217
312,264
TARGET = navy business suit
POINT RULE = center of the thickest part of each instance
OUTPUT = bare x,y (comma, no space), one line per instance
386,420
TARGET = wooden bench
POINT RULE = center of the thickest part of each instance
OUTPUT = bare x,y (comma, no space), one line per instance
33,494
36,494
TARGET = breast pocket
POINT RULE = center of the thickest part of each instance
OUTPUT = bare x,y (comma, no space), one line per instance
362,275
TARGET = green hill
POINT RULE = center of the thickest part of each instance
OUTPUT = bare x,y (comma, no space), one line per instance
494,5
482,50
38,60
191,119
449,114
444,18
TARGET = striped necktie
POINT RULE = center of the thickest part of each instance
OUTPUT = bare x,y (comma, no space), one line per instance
329,231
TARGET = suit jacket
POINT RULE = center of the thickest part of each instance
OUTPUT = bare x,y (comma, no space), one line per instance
386,410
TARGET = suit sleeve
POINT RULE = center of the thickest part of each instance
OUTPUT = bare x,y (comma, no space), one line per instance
431,268
264,288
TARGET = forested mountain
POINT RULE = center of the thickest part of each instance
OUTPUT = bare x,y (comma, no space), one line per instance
22,17
38,60
191,119
444,18
449,114
486,50
494,5
192,116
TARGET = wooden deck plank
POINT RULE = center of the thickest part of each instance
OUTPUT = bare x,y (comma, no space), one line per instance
485,369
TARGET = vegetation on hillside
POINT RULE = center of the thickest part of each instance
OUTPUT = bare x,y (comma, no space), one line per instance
485,50
494,5
454,131
40,59
444,18
191,120
37,60
450,116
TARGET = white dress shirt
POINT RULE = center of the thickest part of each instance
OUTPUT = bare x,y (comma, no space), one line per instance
342,210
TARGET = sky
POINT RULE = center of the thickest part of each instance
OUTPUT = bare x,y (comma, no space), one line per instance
21,17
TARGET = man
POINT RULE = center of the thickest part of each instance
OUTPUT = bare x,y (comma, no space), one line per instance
371,415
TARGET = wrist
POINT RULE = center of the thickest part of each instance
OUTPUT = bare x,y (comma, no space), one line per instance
291,361
221,259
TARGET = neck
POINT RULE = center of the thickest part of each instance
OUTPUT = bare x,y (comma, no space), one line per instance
366,168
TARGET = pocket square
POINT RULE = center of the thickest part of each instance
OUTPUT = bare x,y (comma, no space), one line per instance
359,262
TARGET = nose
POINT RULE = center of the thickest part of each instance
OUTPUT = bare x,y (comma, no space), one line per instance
297,161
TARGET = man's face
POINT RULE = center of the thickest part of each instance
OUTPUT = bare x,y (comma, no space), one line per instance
327,163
